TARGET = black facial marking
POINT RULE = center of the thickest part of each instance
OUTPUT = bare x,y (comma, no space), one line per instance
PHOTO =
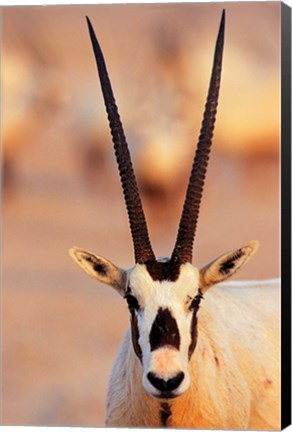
165,413
194,334
229,264
135,336
196,301
164,331
97,266
132,302
133,308
160,271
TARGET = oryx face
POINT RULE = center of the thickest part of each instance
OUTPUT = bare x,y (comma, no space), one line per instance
163,296
163,323
164,299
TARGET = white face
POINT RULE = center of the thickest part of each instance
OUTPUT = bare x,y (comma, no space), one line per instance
164,299
163,320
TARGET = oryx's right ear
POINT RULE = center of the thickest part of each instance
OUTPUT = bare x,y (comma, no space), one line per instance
226,265
101,269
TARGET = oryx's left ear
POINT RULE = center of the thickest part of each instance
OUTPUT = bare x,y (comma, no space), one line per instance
101,269
226,265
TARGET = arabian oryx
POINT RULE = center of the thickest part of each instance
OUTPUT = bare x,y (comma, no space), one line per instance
185,362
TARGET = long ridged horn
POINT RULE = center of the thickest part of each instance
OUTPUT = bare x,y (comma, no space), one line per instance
142,246
184,242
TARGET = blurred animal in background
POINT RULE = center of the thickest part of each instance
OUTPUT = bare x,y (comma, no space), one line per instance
194,356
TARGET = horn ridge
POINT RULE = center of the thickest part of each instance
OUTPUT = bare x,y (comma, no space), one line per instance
141,241
187,228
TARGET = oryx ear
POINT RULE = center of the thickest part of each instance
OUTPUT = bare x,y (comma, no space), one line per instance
100,268
226,265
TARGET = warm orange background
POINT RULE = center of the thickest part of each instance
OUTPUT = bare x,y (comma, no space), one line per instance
61,188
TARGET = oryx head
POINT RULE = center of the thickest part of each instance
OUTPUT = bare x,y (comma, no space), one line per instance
163,295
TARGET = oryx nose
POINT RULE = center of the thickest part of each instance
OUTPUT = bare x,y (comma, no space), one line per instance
162,385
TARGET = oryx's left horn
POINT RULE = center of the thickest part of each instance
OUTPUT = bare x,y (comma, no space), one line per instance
141,241
188,223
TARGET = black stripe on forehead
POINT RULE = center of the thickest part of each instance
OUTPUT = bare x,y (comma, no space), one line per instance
164,330
160,271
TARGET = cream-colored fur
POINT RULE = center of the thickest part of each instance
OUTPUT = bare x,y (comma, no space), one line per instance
234,370
233,378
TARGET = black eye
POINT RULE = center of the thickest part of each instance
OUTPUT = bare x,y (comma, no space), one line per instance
132,302
196,302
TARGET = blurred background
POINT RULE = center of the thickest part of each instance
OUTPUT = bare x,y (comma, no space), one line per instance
61,330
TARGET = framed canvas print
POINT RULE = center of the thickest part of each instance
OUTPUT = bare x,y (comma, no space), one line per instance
151,145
